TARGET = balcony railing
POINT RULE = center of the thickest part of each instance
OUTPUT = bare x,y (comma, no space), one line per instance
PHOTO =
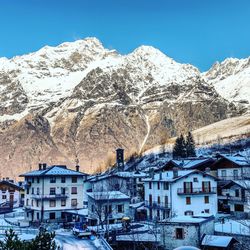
193,191
156,205
49,196
234,177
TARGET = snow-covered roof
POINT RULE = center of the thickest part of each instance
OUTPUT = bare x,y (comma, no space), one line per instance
169,175
217,240
241,227
131,174
239,160
81,212
56,170
108,195
190,163
187,219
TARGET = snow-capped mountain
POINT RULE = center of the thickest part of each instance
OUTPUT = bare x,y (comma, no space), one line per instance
231,79
78,101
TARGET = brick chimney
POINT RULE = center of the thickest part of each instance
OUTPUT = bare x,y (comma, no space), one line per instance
40,166
44,166
175,172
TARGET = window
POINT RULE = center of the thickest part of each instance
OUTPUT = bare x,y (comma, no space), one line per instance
237,193
63,203
206,211
158,214
32,190
37,191
223,173
52,216
4,197
235,173
206,186
63,190
63,179
38,181
238,208
166,200
120,208
150,185
188,187
52,191
37,216
28,191
159,200
206,199
27,202
189,212
74,179
53,179
165,186
74,190
52,203
158,185
188,200
32,180
150,199
37,203
195,179
179,233
73,202
32,203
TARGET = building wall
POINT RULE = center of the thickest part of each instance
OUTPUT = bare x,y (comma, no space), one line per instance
36,204
198,204
100,207
5,197
192,234
178,202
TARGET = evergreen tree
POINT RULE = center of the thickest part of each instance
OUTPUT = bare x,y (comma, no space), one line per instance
179,150
190,145
11,241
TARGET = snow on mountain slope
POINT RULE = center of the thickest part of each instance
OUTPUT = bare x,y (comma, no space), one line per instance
231,79
227,129
51,73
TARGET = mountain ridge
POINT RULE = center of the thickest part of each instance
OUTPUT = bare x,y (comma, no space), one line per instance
77,102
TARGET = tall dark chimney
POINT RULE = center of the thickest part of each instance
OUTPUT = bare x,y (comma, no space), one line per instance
40,165
77,168
120,159
44,166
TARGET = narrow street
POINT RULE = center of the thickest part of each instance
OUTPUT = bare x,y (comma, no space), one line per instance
69,242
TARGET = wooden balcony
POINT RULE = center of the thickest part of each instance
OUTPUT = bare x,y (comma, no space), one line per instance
156,205
49,196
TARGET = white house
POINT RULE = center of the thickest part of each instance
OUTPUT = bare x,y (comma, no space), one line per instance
176,192
107,207
10,193
51,191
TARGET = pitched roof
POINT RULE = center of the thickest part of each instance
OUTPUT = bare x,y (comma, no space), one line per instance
11,184
217,241
239,160
108,195
169,175
55,170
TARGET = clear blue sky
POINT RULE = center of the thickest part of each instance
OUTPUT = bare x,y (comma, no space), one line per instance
199,32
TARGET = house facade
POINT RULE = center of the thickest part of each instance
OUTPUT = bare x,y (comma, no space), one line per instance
232,167
50,191
172,193
236,195
10,193
107,207
185,231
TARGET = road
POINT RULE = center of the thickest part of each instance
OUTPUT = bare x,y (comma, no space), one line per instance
70,242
